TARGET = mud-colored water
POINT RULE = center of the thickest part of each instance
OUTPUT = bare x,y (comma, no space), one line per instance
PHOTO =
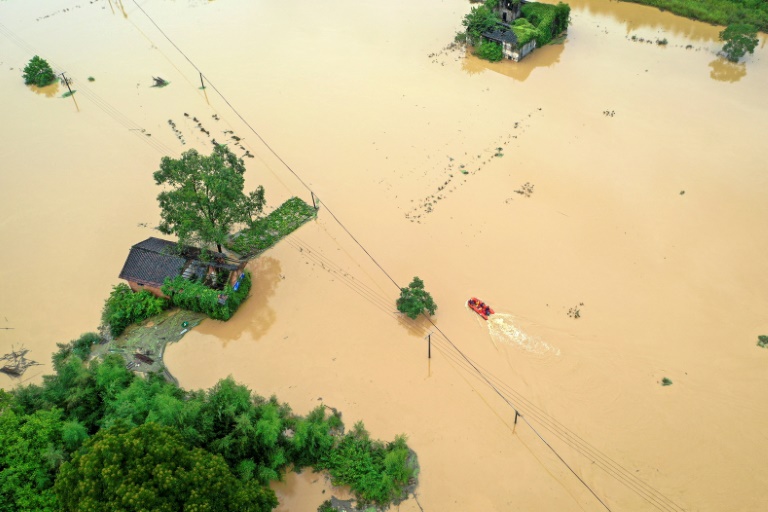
631,188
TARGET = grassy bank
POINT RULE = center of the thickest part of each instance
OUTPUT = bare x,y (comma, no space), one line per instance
718,12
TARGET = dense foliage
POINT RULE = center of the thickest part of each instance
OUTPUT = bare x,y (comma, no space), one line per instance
549,20
38,72
740,39
95,436
378,472
151,468
719,12
415,300
267,231
195,296
480,19
524,31
123,307
206,197
489,50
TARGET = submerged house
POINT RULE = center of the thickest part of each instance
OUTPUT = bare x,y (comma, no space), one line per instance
151,261
526,25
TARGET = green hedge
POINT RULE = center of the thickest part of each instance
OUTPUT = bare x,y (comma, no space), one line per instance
123,307
549,20
267,231
196,296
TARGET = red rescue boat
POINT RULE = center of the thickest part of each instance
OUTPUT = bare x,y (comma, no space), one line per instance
480,307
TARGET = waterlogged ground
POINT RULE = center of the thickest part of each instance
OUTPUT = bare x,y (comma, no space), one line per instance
629,188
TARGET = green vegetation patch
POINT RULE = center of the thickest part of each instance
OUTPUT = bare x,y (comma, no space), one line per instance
489,50
666,382
377,472
267,231
123,307
195,296
94,436
524,31
549,20
762,341
719,12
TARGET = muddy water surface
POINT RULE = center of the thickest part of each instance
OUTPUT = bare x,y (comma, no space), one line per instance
630,188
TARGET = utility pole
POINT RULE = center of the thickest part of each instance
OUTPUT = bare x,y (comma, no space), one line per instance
66,82
314,204
202,84
429,345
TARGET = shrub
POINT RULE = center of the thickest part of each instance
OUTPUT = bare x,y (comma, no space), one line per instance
196,296
489,50
124,307
38,72
762,341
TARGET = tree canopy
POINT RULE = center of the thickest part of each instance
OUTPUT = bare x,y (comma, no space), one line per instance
739,39
38,72
206,197
150,468
415,300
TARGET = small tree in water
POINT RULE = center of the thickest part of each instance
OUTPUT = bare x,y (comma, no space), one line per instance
739,39
206,198
415,300
38,72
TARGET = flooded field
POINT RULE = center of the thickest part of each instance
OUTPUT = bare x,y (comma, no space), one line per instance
620,235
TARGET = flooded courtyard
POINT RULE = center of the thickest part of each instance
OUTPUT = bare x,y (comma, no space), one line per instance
605,196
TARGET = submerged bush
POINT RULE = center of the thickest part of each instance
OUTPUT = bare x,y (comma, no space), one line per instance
38,72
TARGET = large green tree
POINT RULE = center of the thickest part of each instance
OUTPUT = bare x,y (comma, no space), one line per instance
415,300
206,197
38,72
739,39
150,468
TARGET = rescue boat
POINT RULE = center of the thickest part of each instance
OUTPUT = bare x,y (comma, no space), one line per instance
480,307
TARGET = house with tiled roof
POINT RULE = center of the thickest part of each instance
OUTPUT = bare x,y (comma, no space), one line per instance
150,262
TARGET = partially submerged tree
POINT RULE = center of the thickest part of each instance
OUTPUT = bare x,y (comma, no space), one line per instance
739,38
415,300
206,198
38,72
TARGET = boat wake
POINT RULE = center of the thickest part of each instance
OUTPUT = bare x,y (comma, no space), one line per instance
503,331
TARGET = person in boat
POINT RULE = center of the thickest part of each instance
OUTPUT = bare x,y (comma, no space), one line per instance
487,311
482,305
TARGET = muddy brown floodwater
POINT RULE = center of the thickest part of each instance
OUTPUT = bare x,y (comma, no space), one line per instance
630,188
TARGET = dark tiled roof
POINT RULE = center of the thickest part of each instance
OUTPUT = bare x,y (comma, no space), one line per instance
151,261
501,35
